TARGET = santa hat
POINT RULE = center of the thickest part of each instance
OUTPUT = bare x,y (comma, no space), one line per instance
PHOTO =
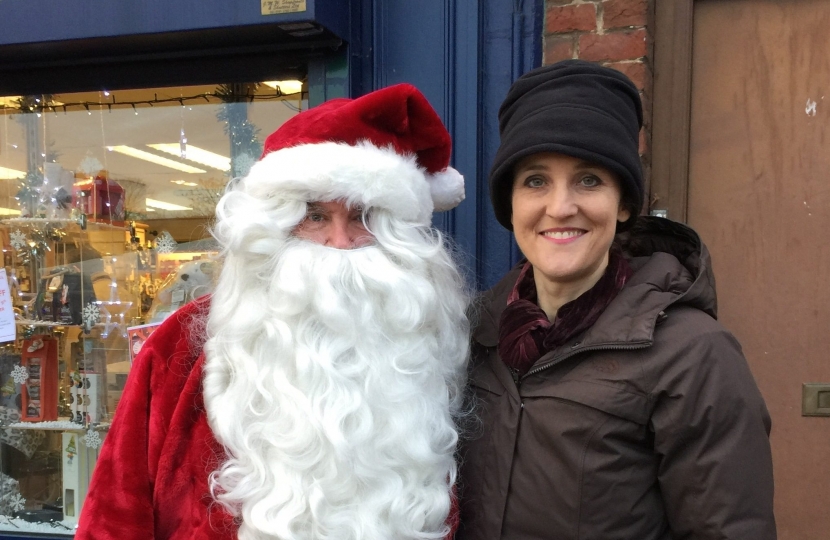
386,149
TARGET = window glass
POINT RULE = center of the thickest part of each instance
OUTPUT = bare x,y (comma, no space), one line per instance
106,200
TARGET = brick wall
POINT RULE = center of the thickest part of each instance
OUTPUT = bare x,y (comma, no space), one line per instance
615,33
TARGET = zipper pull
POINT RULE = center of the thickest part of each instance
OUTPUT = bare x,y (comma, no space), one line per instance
515,374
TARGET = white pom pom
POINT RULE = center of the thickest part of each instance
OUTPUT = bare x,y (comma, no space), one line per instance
446,188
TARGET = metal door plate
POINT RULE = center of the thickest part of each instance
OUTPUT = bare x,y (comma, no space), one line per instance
815,399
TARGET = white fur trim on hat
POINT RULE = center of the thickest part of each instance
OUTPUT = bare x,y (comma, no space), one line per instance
447,189
360,174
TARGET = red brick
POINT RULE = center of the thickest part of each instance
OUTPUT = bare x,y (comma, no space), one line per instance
558,48
636,71
622,13
560,2
615,46
580,17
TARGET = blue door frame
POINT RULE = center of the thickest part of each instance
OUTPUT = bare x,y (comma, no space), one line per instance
463,55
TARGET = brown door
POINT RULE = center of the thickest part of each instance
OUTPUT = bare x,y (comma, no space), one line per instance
759,194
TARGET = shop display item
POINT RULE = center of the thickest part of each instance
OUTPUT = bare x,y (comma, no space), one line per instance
138,335
86,397
64,292
100,199
9,389
40,390
78,461
191,280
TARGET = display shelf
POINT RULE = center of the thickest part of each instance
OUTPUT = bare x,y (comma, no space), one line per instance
51,324
63,222
56,425
17,525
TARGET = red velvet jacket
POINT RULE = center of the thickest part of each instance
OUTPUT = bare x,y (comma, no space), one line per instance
151,480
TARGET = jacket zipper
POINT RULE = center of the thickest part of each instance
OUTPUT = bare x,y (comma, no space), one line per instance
630,347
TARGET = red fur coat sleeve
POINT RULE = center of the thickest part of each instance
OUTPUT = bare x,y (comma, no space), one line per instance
151,480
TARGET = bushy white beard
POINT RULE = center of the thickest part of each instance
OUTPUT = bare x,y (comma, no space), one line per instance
332,379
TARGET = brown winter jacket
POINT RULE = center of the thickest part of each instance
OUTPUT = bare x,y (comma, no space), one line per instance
649,426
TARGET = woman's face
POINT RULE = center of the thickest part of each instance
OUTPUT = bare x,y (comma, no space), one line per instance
565,213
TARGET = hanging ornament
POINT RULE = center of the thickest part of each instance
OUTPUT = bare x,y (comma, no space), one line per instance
17,502
92,439
20,374
18,239
91,315
165,243
90,165
182,144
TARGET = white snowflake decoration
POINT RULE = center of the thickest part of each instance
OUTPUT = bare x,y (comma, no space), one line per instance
18,239
17,502
92,439
90,166
20,374
165,243
91,315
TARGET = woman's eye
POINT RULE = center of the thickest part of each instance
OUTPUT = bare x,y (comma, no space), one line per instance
590,181
535,182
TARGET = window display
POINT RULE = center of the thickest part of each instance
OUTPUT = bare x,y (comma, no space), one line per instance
105,208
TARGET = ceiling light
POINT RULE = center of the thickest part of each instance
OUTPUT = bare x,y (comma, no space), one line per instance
10,174
9,212
184,183
152,158
195,154
161,205
286,87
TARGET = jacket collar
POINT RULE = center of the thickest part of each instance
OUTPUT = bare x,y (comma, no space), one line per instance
671,266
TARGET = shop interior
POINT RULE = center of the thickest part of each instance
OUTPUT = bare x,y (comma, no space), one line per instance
106,200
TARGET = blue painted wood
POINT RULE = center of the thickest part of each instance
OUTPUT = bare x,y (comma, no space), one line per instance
511,34
32,21
463,55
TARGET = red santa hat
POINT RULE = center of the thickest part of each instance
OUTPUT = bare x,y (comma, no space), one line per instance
387,149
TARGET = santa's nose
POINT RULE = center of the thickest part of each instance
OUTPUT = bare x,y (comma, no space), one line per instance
340,237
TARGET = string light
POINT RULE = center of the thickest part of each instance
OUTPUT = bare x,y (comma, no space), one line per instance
88,105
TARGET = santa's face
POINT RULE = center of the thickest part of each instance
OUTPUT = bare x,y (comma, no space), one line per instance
334,224
332,378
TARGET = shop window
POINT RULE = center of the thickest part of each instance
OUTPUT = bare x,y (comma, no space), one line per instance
106,200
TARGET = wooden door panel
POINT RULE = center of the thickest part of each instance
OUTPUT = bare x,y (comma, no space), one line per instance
759,194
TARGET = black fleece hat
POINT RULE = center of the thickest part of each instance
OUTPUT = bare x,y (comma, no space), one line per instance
575,108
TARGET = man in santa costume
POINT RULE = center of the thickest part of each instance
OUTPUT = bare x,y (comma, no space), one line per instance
314,395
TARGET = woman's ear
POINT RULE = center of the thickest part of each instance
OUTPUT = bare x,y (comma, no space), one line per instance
623,213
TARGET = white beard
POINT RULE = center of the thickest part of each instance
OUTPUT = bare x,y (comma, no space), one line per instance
331,379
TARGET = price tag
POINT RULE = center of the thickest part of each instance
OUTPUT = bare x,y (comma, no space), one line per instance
8,330
275,7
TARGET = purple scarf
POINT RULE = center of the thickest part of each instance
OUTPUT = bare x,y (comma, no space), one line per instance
526,333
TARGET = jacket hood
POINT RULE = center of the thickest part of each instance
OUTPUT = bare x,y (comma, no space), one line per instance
671,268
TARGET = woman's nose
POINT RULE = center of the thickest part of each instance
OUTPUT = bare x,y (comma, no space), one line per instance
560,203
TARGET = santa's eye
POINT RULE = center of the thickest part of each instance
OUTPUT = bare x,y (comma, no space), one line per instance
316,217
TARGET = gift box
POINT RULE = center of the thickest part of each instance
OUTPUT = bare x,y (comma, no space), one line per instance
100,198
40,391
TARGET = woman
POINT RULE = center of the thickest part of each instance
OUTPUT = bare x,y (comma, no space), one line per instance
613,405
